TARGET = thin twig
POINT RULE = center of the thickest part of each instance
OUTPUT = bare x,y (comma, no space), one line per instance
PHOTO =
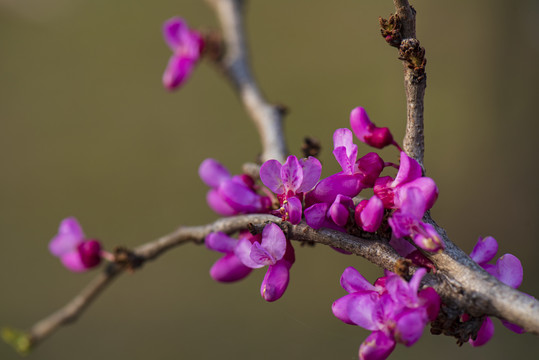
267,118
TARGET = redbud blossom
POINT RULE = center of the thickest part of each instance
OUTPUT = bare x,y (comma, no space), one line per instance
186,45
369,133
75,251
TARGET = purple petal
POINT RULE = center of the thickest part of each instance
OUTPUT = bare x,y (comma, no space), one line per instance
90,253
431,302
352,281
340,309
69,236
344,150
371,215
401,246
228,269
377,346
412,203
312,169
510,270
240,197
177,71
484,250
426,186
415,281
261,256
218,204
172,29
484,334
270,175
409,170
275,281
219,241
384,190
274,241
360,123
243,252
293,210
339,213
213,173
401,224
361,308
513,327
315,216
328,189
410,325
370,165
73,262
428,239
292,174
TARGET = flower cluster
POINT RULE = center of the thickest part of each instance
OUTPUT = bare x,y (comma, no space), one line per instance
248,252
392,309
507,269
75,251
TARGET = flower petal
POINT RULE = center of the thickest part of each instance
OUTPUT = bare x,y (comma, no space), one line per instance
178,70
409,170
292,174
293,210
219,241
90,253
513,327
312,169
69,236
484,334
510,270
360,123
240,197
275,281
361,308
315,215
270,175
73,262
427,188
213,173
229,268
352,281
328,189
410,325
371,215
339,213
261,256
218,204
377,346
243,252
172,30
431,302
484,250
274,241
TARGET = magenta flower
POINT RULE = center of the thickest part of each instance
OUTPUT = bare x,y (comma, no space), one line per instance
369,214
356,175
231,195
75,251
333,216
273,251
289,181
406,221
392,309
367,132
186,45
229,268
507,269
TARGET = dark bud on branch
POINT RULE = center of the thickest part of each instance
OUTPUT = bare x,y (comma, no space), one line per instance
414,55
311,147
391,30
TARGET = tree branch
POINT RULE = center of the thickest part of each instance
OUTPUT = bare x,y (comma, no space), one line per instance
400,32
267,118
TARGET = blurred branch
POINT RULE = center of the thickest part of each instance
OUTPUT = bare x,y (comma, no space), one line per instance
267,118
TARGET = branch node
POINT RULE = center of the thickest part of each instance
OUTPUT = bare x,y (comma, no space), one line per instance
391,30
413,54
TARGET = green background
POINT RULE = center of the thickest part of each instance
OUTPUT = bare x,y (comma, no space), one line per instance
87,130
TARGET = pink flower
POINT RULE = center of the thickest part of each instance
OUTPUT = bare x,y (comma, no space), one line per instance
369,133
289,181
76,253
186,45
275,252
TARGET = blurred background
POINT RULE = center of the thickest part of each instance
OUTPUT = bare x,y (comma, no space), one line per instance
87,130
